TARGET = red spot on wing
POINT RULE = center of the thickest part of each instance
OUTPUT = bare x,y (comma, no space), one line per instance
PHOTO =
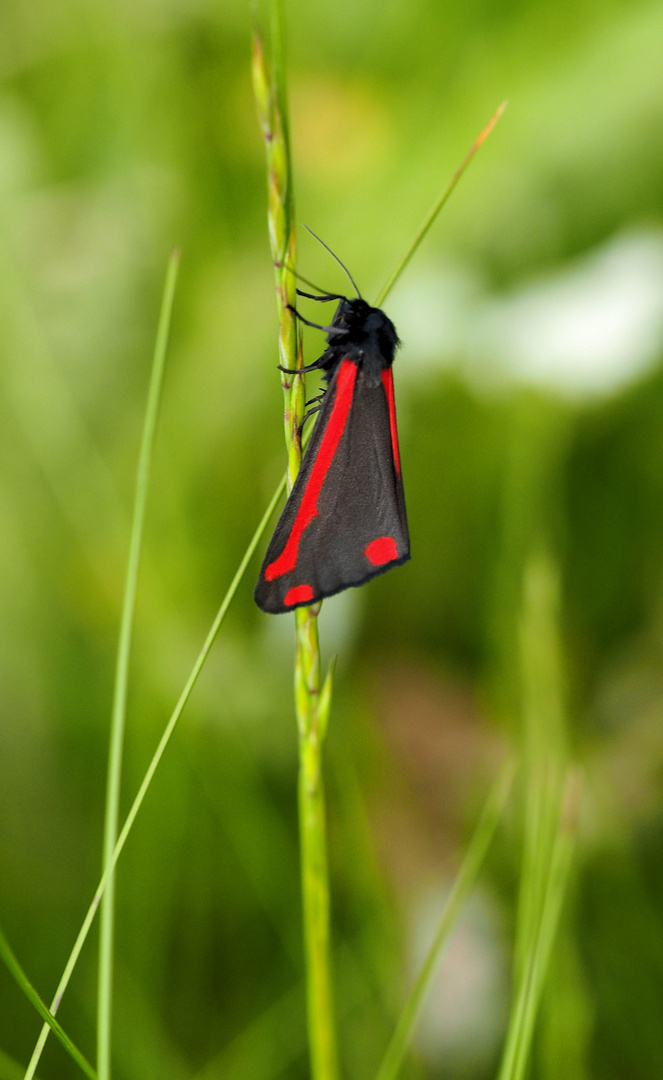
381,551
388,383
308,508
297,594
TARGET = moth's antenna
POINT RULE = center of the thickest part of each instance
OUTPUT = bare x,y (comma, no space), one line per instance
352,280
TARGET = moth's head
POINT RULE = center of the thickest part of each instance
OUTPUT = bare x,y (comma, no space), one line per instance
357,325
351,314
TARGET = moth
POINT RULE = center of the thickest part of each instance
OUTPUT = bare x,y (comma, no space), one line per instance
344,521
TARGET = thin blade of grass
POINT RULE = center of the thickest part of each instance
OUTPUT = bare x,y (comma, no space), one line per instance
550,805
523,1015
119,708
272,102
12,964
437,206
9,1067
152,768
281,95
462,887
544,742
560,868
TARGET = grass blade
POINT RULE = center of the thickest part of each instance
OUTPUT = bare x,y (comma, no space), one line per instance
463,885
28,989
523,1015
550,808
152,768
272,103
9,1067
437,206
118,717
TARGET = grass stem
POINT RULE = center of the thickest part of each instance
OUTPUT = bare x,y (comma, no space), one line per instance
552,792
437,206
118,715
152,768
13,966
313,847
462,887
271,99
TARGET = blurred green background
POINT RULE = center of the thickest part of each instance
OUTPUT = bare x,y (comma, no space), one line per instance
530,396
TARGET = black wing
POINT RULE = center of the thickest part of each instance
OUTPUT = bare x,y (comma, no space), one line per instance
345,519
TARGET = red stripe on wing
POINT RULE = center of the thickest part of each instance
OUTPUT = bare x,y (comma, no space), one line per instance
388,383
297,594
381,551
308,508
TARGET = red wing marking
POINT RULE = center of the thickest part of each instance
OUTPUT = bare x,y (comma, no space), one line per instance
388,383
381,551
297,594
308,508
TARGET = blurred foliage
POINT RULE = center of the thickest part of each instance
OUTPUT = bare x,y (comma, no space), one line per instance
126,129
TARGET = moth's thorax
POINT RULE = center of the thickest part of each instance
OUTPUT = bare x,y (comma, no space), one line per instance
364,335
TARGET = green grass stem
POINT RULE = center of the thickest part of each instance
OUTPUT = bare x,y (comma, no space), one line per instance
436,207
550,806
10,1069
119,707
537,960
462,887
544,741
152,768
9,959
313,843
272,103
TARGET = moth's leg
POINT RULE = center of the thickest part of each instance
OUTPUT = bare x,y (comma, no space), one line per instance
311,412
317,398
315,366
315,325
323,299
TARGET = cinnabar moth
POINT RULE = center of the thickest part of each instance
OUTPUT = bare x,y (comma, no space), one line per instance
344,521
